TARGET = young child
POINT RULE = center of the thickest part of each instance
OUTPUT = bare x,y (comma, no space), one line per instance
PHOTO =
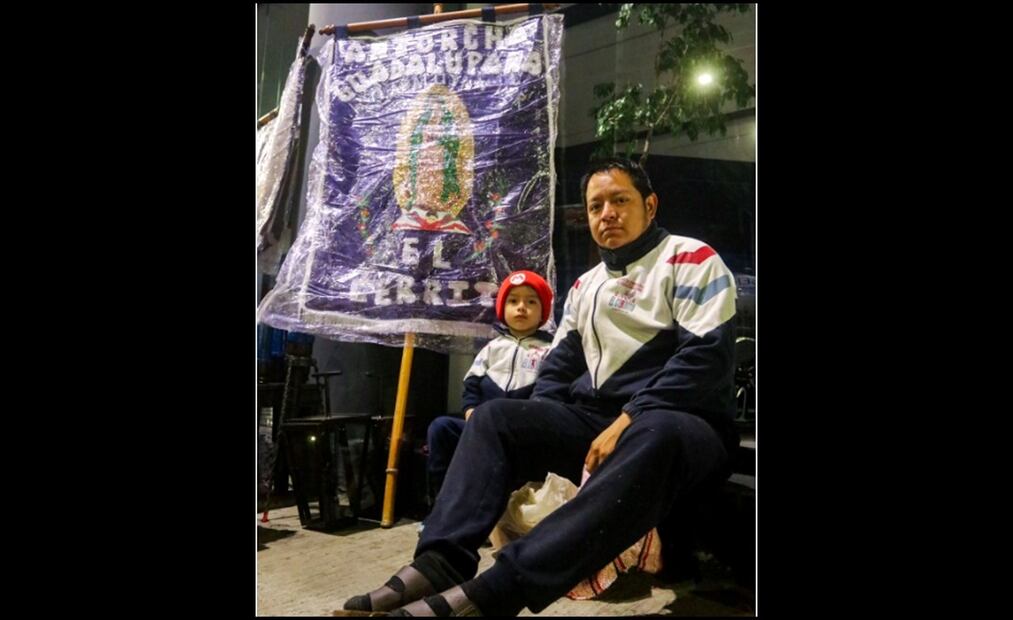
504,368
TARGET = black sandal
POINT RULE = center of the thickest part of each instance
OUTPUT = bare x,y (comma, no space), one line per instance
406,586
449,604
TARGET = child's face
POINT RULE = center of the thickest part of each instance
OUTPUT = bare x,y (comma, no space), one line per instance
523,309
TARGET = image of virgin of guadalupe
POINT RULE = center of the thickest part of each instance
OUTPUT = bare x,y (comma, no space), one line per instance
434,165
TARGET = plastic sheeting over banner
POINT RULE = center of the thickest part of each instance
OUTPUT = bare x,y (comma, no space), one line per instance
432,181
279,169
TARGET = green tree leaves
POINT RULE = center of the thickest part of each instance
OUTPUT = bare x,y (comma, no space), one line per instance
677,103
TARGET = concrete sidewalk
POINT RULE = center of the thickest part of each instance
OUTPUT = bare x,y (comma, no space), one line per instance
308,573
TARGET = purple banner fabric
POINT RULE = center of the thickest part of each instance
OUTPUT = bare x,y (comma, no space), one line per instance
432,181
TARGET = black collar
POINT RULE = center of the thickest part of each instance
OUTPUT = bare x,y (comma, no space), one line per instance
619,258
503,330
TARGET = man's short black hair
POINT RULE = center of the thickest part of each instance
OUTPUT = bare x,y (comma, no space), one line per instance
639,176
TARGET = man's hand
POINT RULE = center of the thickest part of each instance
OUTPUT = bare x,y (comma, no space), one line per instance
605,443
467,414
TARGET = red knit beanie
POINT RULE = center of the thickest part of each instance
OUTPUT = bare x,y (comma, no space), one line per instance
521,278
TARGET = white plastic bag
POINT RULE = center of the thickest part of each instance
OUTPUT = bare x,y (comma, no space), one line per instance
534,501
530,504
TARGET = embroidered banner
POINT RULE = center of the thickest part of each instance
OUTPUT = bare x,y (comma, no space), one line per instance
432,181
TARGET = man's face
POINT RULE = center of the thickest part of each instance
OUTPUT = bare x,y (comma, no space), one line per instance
616,212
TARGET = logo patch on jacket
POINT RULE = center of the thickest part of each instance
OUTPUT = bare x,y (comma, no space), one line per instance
533,359
621,302
625,298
